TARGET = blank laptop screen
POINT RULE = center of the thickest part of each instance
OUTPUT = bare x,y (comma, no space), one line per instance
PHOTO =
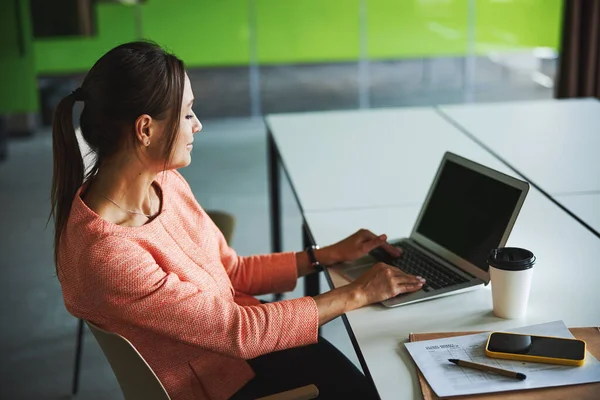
468,213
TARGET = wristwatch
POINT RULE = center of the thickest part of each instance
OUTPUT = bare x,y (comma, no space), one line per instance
310,250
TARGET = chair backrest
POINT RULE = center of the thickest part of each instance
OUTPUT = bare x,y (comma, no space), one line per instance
225,222
136,378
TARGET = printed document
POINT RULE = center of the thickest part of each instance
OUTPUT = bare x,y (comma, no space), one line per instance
447,379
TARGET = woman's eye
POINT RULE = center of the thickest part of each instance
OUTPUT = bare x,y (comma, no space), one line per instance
189,116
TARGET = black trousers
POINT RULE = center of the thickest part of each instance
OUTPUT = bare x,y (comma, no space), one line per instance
320,364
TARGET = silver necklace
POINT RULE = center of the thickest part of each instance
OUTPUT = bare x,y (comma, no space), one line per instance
131,211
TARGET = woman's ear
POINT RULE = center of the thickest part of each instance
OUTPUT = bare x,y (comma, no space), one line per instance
143,130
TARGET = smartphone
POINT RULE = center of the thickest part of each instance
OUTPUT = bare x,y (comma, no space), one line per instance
543,349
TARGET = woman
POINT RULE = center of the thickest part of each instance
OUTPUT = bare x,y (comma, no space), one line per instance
137,255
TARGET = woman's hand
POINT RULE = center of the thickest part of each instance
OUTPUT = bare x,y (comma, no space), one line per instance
382,282
354,247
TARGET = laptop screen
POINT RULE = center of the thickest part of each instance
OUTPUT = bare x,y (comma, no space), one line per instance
468,213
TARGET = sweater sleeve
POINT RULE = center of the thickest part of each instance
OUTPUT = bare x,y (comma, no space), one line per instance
128,286
260,274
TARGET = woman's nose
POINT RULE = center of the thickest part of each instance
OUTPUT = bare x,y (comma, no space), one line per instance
197,126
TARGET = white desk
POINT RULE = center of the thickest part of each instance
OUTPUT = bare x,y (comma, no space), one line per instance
564,286
372,169
360,159
372,158
585,206
553,143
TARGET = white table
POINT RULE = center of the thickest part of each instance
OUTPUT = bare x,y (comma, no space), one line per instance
586,206
371,158
554,144
564,287
372,169
357,159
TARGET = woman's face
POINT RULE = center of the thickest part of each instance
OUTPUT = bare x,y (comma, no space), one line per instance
188,126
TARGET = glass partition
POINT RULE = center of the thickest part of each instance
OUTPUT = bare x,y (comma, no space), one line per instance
517,47
417,51
339,54
253,57
307,52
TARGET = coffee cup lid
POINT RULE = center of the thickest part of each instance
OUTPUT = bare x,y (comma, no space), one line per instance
511,259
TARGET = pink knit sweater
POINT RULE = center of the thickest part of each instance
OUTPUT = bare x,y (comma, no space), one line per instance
180,294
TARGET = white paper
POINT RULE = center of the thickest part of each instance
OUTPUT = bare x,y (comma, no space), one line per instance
447,379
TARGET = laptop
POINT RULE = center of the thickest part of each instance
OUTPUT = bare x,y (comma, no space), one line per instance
470,209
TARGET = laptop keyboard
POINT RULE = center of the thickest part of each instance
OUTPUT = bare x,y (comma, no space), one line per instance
414,262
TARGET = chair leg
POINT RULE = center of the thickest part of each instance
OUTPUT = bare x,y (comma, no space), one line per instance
78,350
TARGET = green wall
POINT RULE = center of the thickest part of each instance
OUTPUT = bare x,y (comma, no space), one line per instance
200,32
416,28
115,25
216,33
307,31
18,86
516,24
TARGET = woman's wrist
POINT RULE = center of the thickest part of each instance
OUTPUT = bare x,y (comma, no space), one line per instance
327,255
338,301
355,297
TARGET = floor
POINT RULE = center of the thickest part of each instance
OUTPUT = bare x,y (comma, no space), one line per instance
228,172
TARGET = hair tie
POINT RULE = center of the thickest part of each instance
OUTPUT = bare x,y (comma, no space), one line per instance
78,94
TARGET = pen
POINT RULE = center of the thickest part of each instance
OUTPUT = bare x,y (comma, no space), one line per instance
487,368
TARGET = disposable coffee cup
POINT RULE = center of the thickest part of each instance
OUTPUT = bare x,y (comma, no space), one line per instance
511,269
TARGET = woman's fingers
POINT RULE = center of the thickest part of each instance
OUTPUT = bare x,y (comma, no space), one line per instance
408,283
383,281
410,278
373,241
409,287
411,282
391,250
401,282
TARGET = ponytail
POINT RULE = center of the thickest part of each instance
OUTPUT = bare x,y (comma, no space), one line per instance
68,171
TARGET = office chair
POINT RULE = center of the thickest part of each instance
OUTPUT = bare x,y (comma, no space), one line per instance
226,224
138,381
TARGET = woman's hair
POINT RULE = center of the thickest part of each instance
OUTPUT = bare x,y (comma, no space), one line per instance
130,80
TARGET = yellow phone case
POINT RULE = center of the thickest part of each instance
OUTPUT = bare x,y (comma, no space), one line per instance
523,357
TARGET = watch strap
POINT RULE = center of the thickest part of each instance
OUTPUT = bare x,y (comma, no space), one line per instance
315,264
